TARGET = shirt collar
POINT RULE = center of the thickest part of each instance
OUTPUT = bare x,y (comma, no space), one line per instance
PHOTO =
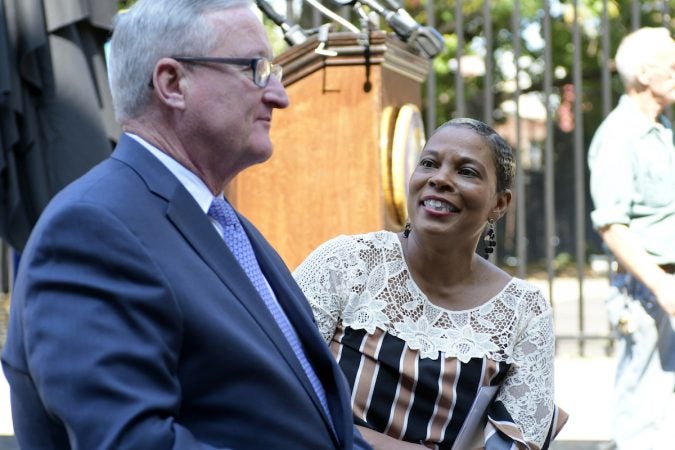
194,185
641,123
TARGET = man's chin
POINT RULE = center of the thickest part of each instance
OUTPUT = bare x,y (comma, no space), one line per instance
262,152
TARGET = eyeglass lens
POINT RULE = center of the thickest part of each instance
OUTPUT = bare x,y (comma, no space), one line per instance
264,69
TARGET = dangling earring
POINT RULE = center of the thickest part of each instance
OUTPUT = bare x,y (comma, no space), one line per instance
406,230
490,240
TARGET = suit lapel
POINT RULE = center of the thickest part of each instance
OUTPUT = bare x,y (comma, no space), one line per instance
217,255
182,211
297,309
195,227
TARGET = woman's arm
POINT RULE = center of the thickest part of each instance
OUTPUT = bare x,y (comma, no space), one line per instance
528,390
322,283
328,277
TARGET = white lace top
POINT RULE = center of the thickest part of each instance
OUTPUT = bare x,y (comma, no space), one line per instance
362,282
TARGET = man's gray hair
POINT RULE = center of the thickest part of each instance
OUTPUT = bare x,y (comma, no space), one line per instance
639,49
151,30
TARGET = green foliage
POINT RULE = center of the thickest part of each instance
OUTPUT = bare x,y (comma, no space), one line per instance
530,23
531,16
563,260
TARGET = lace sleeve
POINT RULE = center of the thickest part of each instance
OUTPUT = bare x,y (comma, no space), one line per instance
322,279
528,390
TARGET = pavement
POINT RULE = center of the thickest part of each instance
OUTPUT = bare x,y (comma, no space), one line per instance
584,374
584,391
585,370
7,441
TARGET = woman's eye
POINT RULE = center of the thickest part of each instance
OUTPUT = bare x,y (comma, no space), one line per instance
426,163
468,172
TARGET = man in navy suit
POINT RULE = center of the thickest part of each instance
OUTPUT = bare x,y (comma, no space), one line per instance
134,322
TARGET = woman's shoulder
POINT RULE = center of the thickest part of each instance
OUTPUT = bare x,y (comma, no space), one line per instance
530,298
355,247
376,240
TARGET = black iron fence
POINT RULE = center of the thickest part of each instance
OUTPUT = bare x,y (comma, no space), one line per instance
542,74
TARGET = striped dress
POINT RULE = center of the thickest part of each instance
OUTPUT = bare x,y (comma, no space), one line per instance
414,368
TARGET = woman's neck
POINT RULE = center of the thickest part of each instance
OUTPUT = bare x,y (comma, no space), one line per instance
439,264
452,277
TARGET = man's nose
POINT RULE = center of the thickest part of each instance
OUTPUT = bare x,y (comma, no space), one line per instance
275,94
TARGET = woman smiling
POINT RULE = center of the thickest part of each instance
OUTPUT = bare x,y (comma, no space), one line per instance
429,333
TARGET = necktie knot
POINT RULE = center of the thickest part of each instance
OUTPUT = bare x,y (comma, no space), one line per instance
223,212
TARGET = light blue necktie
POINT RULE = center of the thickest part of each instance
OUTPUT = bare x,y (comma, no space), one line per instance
236,239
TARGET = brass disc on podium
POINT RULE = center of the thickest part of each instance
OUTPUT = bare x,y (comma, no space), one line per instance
409,139
387,123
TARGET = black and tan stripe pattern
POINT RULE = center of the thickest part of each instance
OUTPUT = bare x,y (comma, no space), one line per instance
414,367
407,397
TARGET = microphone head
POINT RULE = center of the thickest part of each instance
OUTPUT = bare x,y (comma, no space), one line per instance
428,41
269,11
295,35
402,23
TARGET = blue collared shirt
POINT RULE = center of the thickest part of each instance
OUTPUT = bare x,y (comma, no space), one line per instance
632,164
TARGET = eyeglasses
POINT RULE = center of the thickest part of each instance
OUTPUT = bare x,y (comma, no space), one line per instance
262,68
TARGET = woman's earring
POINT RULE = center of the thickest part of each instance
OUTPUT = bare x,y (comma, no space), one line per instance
406,230
490,239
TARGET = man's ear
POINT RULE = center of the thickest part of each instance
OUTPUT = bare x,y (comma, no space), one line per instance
169,82
643,76
503,202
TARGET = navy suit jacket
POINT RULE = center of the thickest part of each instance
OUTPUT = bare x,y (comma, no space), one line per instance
132,326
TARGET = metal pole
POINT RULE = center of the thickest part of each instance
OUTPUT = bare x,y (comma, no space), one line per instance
431,78
604,66
635,15
579,172
489,62
665,18
460,102
521,225
549,177
488,95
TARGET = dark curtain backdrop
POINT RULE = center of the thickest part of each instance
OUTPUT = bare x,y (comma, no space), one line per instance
56,118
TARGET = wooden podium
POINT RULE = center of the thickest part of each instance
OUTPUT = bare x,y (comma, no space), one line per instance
343,149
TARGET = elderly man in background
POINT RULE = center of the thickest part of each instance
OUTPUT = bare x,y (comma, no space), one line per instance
147,314
632,165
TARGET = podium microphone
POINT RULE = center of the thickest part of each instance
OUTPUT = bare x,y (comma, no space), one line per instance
293,34
427,39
